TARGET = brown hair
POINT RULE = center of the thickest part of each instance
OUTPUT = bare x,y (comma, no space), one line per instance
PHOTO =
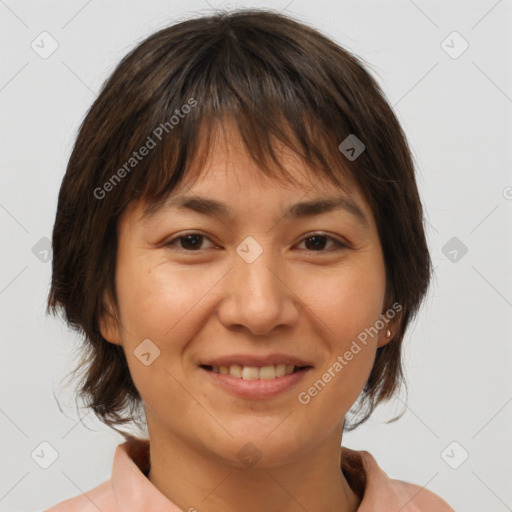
278,79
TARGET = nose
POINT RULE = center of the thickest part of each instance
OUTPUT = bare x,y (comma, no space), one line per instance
258,297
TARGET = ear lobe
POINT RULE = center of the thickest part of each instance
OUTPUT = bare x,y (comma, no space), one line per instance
385,336
108,324
390,328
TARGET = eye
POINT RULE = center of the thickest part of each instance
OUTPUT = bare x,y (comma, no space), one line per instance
192,242
189,242
316,242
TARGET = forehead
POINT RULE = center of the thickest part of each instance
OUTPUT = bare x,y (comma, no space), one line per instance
227,179
225,163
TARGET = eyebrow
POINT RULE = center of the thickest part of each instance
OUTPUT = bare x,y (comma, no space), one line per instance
303,209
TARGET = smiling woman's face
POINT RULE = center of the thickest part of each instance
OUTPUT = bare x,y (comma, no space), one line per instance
248,285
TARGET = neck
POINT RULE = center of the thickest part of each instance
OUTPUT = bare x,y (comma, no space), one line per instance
197,480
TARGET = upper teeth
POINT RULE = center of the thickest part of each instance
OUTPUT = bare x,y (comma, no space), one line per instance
254,372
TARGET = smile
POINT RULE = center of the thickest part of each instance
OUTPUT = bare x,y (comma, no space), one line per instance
255,372
252,382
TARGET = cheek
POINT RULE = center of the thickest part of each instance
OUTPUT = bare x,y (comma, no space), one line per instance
347,301
156,304
158,300
327,399
347,306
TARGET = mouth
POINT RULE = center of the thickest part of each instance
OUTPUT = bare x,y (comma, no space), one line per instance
253,382
248,372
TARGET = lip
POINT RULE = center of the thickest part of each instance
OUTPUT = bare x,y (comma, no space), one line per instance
258,388
256,360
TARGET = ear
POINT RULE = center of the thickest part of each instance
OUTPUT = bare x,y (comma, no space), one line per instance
391,327
108,324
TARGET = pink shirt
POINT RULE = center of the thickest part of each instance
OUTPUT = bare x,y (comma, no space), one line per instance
129,490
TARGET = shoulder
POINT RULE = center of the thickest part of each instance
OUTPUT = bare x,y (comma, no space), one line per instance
127,485
380,492
99,498
420,498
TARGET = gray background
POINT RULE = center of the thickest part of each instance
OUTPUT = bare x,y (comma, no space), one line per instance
456,111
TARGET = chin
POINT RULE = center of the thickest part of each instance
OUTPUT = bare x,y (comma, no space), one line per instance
261,447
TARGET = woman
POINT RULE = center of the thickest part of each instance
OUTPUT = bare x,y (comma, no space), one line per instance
240,238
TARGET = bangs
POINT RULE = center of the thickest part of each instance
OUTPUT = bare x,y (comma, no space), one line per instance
263,144
203,82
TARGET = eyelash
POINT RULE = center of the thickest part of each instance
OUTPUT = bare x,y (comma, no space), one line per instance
172,244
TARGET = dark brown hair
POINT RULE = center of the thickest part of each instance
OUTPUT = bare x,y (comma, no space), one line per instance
279,80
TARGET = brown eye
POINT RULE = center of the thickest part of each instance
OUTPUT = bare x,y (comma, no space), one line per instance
190,242
317,243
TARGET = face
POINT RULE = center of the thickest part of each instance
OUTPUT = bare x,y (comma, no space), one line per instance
252,311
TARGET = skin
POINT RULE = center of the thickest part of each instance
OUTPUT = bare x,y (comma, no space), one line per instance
198,303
